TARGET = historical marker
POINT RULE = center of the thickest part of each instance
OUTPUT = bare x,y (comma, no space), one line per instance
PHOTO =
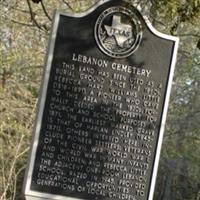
102,108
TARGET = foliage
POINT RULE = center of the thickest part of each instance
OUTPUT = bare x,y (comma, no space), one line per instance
24,29
19,78
179,172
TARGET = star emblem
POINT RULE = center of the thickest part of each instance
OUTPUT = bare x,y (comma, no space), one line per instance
121,32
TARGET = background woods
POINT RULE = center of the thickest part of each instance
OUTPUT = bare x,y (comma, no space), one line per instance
24,29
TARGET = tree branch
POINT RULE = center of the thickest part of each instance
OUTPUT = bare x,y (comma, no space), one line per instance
189,35
21,23
68,5
33,17
45,11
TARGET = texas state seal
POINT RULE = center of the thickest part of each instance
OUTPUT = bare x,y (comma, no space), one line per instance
118,32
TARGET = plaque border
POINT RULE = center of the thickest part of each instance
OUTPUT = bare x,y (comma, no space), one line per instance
34,195
165,104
